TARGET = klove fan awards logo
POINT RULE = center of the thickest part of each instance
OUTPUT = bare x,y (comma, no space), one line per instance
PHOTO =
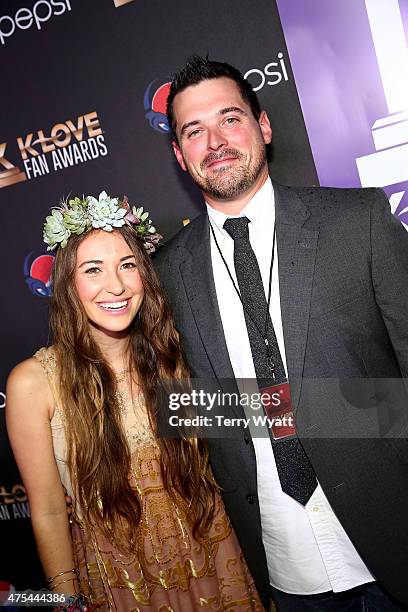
62,146
155,104
13,502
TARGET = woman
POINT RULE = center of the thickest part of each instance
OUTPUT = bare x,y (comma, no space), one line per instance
149,531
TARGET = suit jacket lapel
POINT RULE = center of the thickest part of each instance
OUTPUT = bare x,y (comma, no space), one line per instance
198,280
297,248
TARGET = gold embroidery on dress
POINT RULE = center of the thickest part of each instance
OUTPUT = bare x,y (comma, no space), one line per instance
170,571
46,357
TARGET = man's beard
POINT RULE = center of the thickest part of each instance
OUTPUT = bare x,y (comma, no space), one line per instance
229,182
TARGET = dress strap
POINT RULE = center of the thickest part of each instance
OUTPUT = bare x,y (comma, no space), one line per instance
48,361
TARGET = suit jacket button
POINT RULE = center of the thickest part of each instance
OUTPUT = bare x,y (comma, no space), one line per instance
250,498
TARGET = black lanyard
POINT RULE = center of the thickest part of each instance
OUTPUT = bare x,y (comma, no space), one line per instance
264,334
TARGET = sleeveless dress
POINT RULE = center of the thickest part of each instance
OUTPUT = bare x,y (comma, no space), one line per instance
169,571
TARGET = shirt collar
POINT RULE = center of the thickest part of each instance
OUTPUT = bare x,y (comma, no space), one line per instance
260,210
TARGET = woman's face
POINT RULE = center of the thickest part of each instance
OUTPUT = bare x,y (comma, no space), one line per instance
108,282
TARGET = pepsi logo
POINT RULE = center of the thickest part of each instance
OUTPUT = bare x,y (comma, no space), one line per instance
155,103
37,273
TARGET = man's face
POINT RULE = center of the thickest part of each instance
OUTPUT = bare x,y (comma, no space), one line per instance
220,143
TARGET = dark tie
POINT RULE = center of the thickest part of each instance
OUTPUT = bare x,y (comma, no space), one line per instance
296,474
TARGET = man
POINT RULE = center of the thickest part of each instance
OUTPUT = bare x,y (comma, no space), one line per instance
321,514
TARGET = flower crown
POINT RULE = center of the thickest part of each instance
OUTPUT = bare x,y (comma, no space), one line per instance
77,216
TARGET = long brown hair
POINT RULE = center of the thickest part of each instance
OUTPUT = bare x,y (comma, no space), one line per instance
98,454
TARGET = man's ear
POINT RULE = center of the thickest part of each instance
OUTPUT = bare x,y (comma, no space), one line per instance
179,155
265,127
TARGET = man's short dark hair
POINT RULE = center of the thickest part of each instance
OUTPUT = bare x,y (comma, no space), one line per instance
200,69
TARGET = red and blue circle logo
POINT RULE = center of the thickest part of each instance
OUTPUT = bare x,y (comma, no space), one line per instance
155,103
37,273
6,594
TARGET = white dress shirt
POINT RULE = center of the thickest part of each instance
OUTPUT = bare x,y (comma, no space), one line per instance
307,549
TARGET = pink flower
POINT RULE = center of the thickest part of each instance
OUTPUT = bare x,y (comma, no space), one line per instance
131,219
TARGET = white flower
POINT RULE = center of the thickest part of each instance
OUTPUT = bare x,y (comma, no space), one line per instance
105,213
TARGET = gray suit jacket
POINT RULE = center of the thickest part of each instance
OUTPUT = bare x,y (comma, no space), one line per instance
343,277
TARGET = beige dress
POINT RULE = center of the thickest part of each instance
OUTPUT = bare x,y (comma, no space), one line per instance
169,571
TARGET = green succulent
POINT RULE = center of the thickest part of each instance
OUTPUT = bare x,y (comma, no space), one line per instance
55,230
141,222
76,216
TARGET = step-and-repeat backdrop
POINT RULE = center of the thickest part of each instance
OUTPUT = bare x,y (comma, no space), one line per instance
83,92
